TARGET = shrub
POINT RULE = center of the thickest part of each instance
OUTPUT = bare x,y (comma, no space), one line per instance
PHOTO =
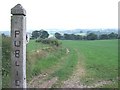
6,61
50,41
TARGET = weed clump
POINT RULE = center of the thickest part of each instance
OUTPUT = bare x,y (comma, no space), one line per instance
6,61
53,42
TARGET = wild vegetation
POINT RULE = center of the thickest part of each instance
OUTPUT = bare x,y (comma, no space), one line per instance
98,65
50,41
78,63
42,57
89,36
40,34
6,61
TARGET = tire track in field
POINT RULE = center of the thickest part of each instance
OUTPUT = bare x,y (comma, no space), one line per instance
74,80
60,83
44,80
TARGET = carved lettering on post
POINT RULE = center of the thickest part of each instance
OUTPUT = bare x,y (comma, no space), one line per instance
16,63
18,53
17,43
17,32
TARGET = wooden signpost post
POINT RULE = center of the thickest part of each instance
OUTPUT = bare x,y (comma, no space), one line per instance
18,53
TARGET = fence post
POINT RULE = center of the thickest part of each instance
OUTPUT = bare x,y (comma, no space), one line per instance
18,46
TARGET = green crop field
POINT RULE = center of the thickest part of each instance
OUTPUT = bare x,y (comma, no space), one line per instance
99,59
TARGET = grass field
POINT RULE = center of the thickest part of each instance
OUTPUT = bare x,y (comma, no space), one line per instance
87,64
99,59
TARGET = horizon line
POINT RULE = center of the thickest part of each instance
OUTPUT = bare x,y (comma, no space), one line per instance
63,29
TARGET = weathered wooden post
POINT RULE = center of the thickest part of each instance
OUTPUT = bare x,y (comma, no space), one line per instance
18,53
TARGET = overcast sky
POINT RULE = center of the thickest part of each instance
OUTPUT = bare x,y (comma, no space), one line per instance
63,14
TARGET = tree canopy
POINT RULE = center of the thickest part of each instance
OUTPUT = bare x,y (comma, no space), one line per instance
91,36
40,34
58,35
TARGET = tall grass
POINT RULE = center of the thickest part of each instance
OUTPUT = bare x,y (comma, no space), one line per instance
6,62
48,61
47,57
53,57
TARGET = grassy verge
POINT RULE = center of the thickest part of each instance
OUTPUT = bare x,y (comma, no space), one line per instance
33,46
6,66
57,58
46,57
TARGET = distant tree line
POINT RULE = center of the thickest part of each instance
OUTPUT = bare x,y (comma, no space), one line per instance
90,36
42,34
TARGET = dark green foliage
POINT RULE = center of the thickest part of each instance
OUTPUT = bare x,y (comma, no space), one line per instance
66,36
3,35
113,36
43,34
40,34
6,61
84,38
35,34
109,36
72,37
91,36
58,35
78,37
104,36
50,41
